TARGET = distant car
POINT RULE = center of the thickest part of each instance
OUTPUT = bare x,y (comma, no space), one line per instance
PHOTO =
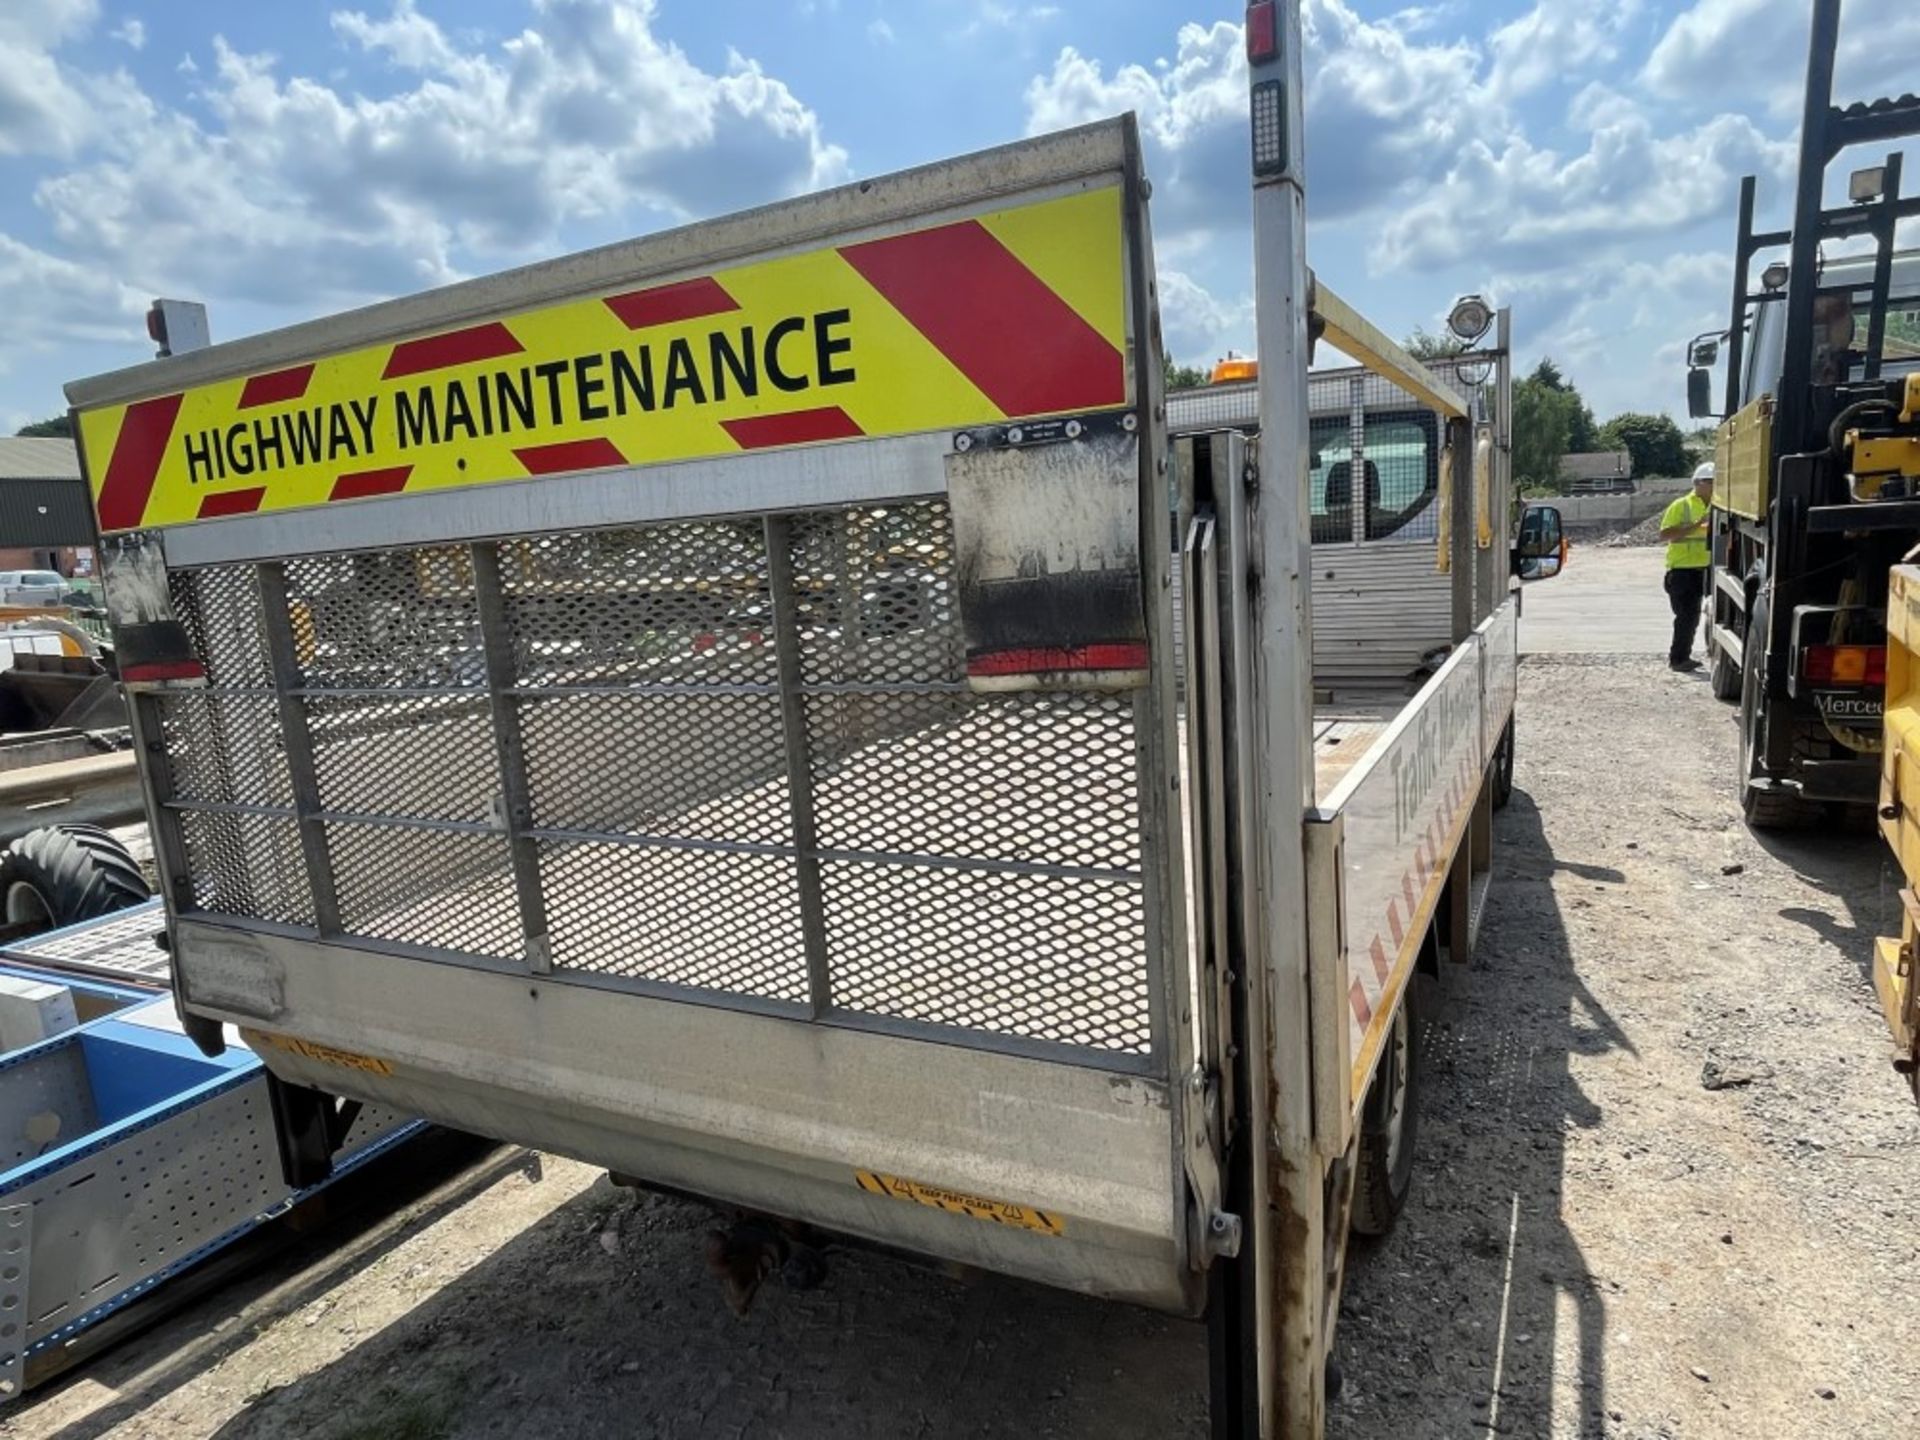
32,587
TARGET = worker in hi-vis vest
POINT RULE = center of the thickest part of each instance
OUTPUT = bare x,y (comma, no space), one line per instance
1684,527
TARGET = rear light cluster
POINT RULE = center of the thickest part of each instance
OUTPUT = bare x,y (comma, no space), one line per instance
1844,664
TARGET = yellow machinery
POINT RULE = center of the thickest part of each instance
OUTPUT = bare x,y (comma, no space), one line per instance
1893,960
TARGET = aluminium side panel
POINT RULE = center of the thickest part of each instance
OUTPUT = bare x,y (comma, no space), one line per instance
1403,809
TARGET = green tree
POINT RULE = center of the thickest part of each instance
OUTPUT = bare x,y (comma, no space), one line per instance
1542,422
1423,346
57,425
1654,441
1181,377
1581,434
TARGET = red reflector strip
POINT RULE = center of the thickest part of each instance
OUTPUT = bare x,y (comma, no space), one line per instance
1036,660
569,455
796,427
136,460
456,347
164,670
362,483
232,502
276,386
666,304
1026,348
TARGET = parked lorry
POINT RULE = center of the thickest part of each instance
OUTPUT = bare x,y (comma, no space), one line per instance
714,706
1818,460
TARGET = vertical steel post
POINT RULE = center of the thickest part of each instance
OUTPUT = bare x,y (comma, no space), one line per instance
1289,1227
283,661
1490,573
777,532
1885,222
1743,248
1460,548
516,800
1796,375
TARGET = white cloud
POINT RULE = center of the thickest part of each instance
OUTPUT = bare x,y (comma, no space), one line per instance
131,32
1525,204
999,15
44,109
282,189
1199,327
1441,156
1725,51
50,300
879,31
1555,38
1590,317
1383,110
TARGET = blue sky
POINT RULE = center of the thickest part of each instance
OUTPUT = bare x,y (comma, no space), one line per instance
1577,159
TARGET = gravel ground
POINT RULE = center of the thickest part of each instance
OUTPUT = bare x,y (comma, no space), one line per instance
1667,1188
1644,532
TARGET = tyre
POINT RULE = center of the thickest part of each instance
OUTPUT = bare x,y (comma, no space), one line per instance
62,874
1764,808
1502,777
1723,676
1389,1121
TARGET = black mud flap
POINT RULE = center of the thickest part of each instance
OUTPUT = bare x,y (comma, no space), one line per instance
309,1126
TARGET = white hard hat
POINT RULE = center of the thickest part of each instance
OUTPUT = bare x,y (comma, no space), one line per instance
1703,471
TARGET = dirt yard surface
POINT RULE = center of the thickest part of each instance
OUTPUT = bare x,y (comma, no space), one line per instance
1669,1190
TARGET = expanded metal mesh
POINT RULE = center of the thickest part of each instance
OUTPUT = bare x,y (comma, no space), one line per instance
875,843
419,756
249,866
726,921
388,619
435,889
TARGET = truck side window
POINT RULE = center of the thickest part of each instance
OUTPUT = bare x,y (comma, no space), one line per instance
1330,483
1401,505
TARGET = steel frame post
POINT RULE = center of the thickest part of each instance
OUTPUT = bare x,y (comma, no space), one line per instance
1460,534
516,802
777,535
1743,248
1796,373
1276,784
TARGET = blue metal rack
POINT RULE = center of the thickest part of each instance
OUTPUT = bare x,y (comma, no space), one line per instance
130,1156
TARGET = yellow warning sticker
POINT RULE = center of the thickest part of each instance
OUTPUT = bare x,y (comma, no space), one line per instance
955,1202
325,1054
1016,313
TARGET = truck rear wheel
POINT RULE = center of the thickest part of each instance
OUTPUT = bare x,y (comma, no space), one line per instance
62,874
1502,778
1723,676
1389,1121
1764,807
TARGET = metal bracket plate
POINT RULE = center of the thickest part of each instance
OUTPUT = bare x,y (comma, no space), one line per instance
16,1255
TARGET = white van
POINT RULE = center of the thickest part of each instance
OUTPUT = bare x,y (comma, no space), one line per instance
32,587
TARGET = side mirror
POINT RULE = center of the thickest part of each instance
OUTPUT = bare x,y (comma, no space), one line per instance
1703,353
1540,552
1700,395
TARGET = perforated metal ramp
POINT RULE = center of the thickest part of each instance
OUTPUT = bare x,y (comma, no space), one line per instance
123,947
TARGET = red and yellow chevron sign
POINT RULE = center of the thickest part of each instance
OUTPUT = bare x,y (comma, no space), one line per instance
1013,314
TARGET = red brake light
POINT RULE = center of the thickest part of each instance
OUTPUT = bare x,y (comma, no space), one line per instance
1263,37
1863,665
156,325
